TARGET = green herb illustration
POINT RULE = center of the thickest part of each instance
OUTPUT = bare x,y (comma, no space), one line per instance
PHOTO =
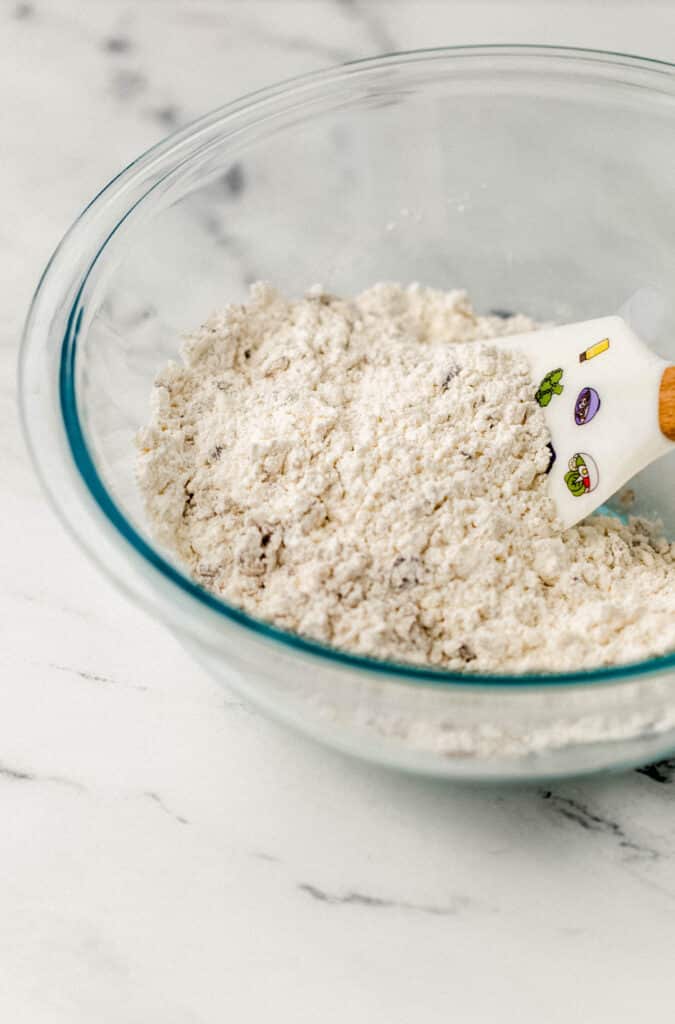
549,387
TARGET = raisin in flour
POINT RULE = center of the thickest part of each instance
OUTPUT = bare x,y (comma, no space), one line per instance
372,474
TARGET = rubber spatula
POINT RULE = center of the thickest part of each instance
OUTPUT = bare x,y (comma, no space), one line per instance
609,403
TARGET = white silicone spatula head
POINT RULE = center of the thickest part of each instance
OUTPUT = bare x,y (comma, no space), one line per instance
609,403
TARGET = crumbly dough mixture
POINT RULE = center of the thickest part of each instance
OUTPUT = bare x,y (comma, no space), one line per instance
372,473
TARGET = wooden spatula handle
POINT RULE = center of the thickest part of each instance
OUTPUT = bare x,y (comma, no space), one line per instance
667,403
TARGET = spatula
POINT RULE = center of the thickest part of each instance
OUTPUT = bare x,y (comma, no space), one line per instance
609,403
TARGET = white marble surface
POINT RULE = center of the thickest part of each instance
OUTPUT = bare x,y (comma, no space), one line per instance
168,856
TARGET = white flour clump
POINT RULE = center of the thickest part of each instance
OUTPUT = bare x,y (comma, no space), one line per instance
368,474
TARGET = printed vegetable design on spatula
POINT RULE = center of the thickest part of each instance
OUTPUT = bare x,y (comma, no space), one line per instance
549,387
582,475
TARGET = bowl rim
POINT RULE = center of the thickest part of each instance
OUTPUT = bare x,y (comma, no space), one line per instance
84,462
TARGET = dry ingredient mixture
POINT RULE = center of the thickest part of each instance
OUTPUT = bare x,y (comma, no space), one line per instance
371,473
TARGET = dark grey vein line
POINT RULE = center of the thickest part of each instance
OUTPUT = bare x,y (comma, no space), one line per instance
127,84
372,22
234,179
18,775
268,857
156,798
168,115
94,678
15,774
23,11
662,771
577,812
117,44
361,899
235,246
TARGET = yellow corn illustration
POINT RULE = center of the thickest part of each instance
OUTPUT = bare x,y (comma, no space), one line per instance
594,350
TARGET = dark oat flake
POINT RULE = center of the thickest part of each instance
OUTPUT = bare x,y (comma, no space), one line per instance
453,372
405,572
466,653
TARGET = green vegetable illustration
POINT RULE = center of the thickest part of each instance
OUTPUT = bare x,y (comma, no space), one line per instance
582,476
549,387
575,482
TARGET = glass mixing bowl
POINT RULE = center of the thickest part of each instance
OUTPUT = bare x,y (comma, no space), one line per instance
540,179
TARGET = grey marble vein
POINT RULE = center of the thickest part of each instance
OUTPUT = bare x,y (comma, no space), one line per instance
362,899
19,775
372,22
168,116
127,84
579,813
116,44
239,250
93,677
156,799
268,857
14,773
234,179
23,11
662,771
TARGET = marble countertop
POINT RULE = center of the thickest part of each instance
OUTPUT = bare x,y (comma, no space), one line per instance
167,855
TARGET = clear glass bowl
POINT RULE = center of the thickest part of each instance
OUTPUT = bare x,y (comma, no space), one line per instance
540,179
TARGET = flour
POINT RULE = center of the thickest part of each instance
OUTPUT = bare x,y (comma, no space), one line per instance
372,474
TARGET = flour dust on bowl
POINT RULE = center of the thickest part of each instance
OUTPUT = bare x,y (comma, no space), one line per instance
539,180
